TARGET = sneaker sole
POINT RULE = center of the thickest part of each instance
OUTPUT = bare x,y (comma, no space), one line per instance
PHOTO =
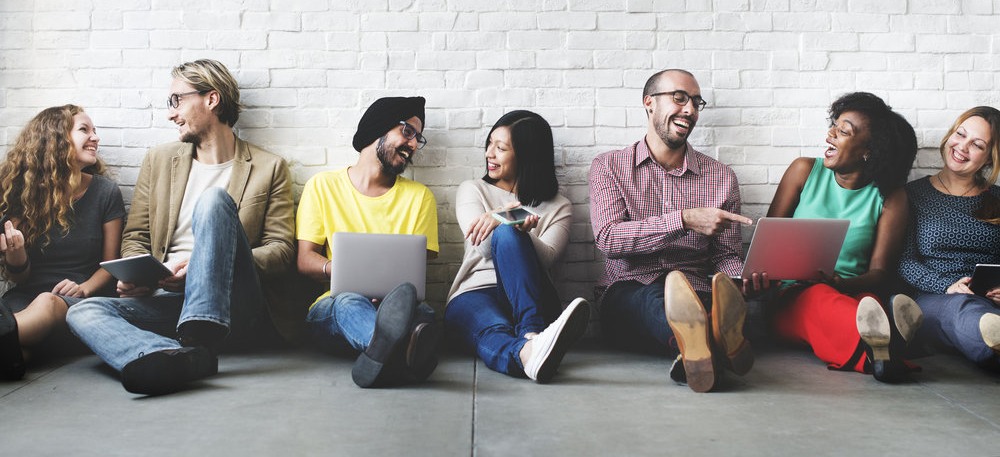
873,327
687,319
989,328
571,331
729,314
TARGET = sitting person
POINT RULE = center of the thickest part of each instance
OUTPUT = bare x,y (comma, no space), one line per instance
667,218
395,339
860,177
503,305
955,224
65,217
218,212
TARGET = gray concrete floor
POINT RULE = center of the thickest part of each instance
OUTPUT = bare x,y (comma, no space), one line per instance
602,402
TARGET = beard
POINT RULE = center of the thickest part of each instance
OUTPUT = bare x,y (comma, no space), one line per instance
387,153
673,140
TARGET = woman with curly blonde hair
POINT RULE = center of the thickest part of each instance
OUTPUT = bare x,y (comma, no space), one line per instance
61,218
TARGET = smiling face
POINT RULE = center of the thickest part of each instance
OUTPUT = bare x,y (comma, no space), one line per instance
501,161
85,140
673,123
848,139
193,114
394,151
966,150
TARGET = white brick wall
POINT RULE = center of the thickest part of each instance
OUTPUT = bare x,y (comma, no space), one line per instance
309,68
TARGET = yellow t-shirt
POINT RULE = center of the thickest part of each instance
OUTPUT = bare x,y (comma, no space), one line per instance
330,203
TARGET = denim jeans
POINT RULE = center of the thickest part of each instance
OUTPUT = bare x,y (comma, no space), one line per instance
953,319
492,321
347,321
221,287
634,317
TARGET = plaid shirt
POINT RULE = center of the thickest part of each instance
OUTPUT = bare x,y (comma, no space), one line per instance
635,210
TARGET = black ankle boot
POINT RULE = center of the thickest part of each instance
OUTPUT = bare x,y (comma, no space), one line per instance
11,358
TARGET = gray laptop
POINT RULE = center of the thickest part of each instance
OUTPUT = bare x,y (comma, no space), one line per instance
374,264
795,249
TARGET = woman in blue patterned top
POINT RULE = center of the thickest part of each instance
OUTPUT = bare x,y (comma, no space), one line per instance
955,224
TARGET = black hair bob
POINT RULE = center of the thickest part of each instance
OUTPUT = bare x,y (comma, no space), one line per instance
531,138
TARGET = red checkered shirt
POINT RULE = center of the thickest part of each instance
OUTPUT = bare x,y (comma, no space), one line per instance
635,210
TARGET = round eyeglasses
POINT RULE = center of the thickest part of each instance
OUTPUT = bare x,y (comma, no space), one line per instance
174,100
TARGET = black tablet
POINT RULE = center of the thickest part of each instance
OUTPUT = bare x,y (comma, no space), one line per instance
984,278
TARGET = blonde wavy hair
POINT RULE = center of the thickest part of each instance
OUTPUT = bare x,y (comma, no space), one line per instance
989,209
206,75
39,176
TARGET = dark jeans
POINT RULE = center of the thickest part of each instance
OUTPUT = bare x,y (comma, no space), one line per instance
633,317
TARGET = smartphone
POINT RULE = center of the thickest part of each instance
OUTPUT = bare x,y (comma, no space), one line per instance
513,216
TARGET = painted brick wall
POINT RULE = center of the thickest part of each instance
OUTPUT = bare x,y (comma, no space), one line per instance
308,69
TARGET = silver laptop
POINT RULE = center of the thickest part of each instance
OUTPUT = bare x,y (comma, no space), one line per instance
374,264
795,249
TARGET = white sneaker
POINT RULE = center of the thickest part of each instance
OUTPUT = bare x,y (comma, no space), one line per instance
549,346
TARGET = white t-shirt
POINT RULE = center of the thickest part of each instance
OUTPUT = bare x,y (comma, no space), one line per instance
201,178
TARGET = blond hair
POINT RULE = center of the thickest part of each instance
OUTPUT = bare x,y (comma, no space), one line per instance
206,75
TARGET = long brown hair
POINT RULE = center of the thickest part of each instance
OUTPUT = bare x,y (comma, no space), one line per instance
39,177
989,209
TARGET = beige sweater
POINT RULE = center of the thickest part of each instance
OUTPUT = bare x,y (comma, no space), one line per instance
550,236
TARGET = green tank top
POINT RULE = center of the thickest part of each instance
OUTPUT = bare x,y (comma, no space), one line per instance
823,198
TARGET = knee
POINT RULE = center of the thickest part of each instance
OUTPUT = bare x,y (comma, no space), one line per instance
212,200
81,314
505,234
51,304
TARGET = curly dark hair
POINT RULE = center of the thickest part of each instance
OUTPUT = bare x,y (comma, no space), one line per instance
892,143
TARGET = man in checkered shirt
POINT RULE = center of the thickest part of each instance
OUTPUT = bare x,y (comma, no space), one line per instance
667,218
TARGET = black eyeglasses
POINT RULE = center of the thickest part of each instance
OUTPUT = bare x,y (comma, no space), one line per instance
681,98
410,132
174,100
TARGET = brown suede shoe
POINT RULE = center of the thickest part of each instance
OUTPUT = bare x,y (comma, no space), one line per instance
989,327
689,322
729,313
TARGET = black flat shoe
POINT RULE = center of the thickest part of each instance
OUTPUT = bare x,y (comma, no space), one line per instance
11,358
394,321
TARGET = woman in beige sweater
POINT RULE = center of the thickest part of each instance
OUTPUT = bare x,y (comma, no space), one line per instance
503,304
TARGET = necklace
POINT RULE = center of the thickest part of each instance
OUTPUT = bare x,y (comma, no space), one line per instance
938,176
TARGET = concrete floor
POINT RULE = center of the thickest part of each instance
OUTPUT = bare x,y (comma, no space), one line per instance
603,402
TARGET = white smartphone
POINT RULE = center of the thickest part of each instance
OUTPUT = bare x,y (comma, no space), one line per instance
513,216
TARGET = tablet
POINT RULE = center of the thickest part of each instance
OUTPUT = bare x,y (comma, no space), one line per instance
984,278
795,249
142,270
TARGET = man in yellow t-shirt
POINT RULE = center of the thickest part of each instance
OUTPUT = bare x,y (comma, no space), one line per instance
398,337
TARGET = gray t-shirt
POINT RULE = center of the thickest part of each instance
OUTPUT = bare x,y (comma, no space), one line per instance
75,256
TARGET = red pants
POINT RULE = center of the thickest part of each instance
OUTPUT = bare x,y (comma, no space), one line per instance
825,319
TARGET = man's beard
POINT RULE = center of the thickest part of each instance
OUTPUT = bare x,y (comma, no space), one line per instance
386,155
673,141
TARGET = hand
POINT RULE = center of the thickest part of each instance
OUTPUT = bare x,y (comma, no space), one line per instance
12,245
127,289
530,222
833,280
69,289
481,228
710,221
960,287
994,294
757,284
176,282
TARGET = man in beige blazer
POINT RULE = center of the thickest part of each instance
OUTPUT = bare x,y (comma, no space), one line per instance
218,212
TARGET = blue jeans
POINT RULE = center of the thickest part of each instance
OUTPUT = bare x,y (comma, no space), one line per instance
633,317
221,287
347,321
493,321
953,319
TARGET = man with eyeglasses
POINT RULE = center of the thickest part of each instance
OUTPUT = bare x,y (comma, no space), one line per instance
667,218
396,339
218,212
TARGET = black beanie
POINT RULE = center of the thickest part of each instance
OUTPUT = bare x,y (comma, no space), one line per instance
383,115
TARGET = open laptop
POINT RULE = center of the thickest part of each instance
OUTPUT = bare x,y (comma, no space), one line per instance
374,264
795,249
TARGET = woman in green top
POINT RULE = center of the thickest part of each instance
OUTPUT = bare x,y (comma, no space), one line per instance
861,178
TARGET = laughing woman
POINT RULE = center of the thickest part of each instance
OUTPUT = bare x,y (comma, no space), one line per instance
955,224
503,305
64,218
861,178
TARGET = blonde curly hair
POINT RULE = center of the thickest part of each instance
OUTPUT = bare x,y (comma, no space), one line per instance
39,176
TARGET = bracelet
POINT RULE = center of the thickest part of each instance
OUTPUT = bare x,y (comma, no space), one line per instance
15,270
324,267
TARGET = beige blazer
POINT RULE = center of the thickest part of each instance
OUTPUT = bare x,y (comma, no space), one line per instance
261,187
